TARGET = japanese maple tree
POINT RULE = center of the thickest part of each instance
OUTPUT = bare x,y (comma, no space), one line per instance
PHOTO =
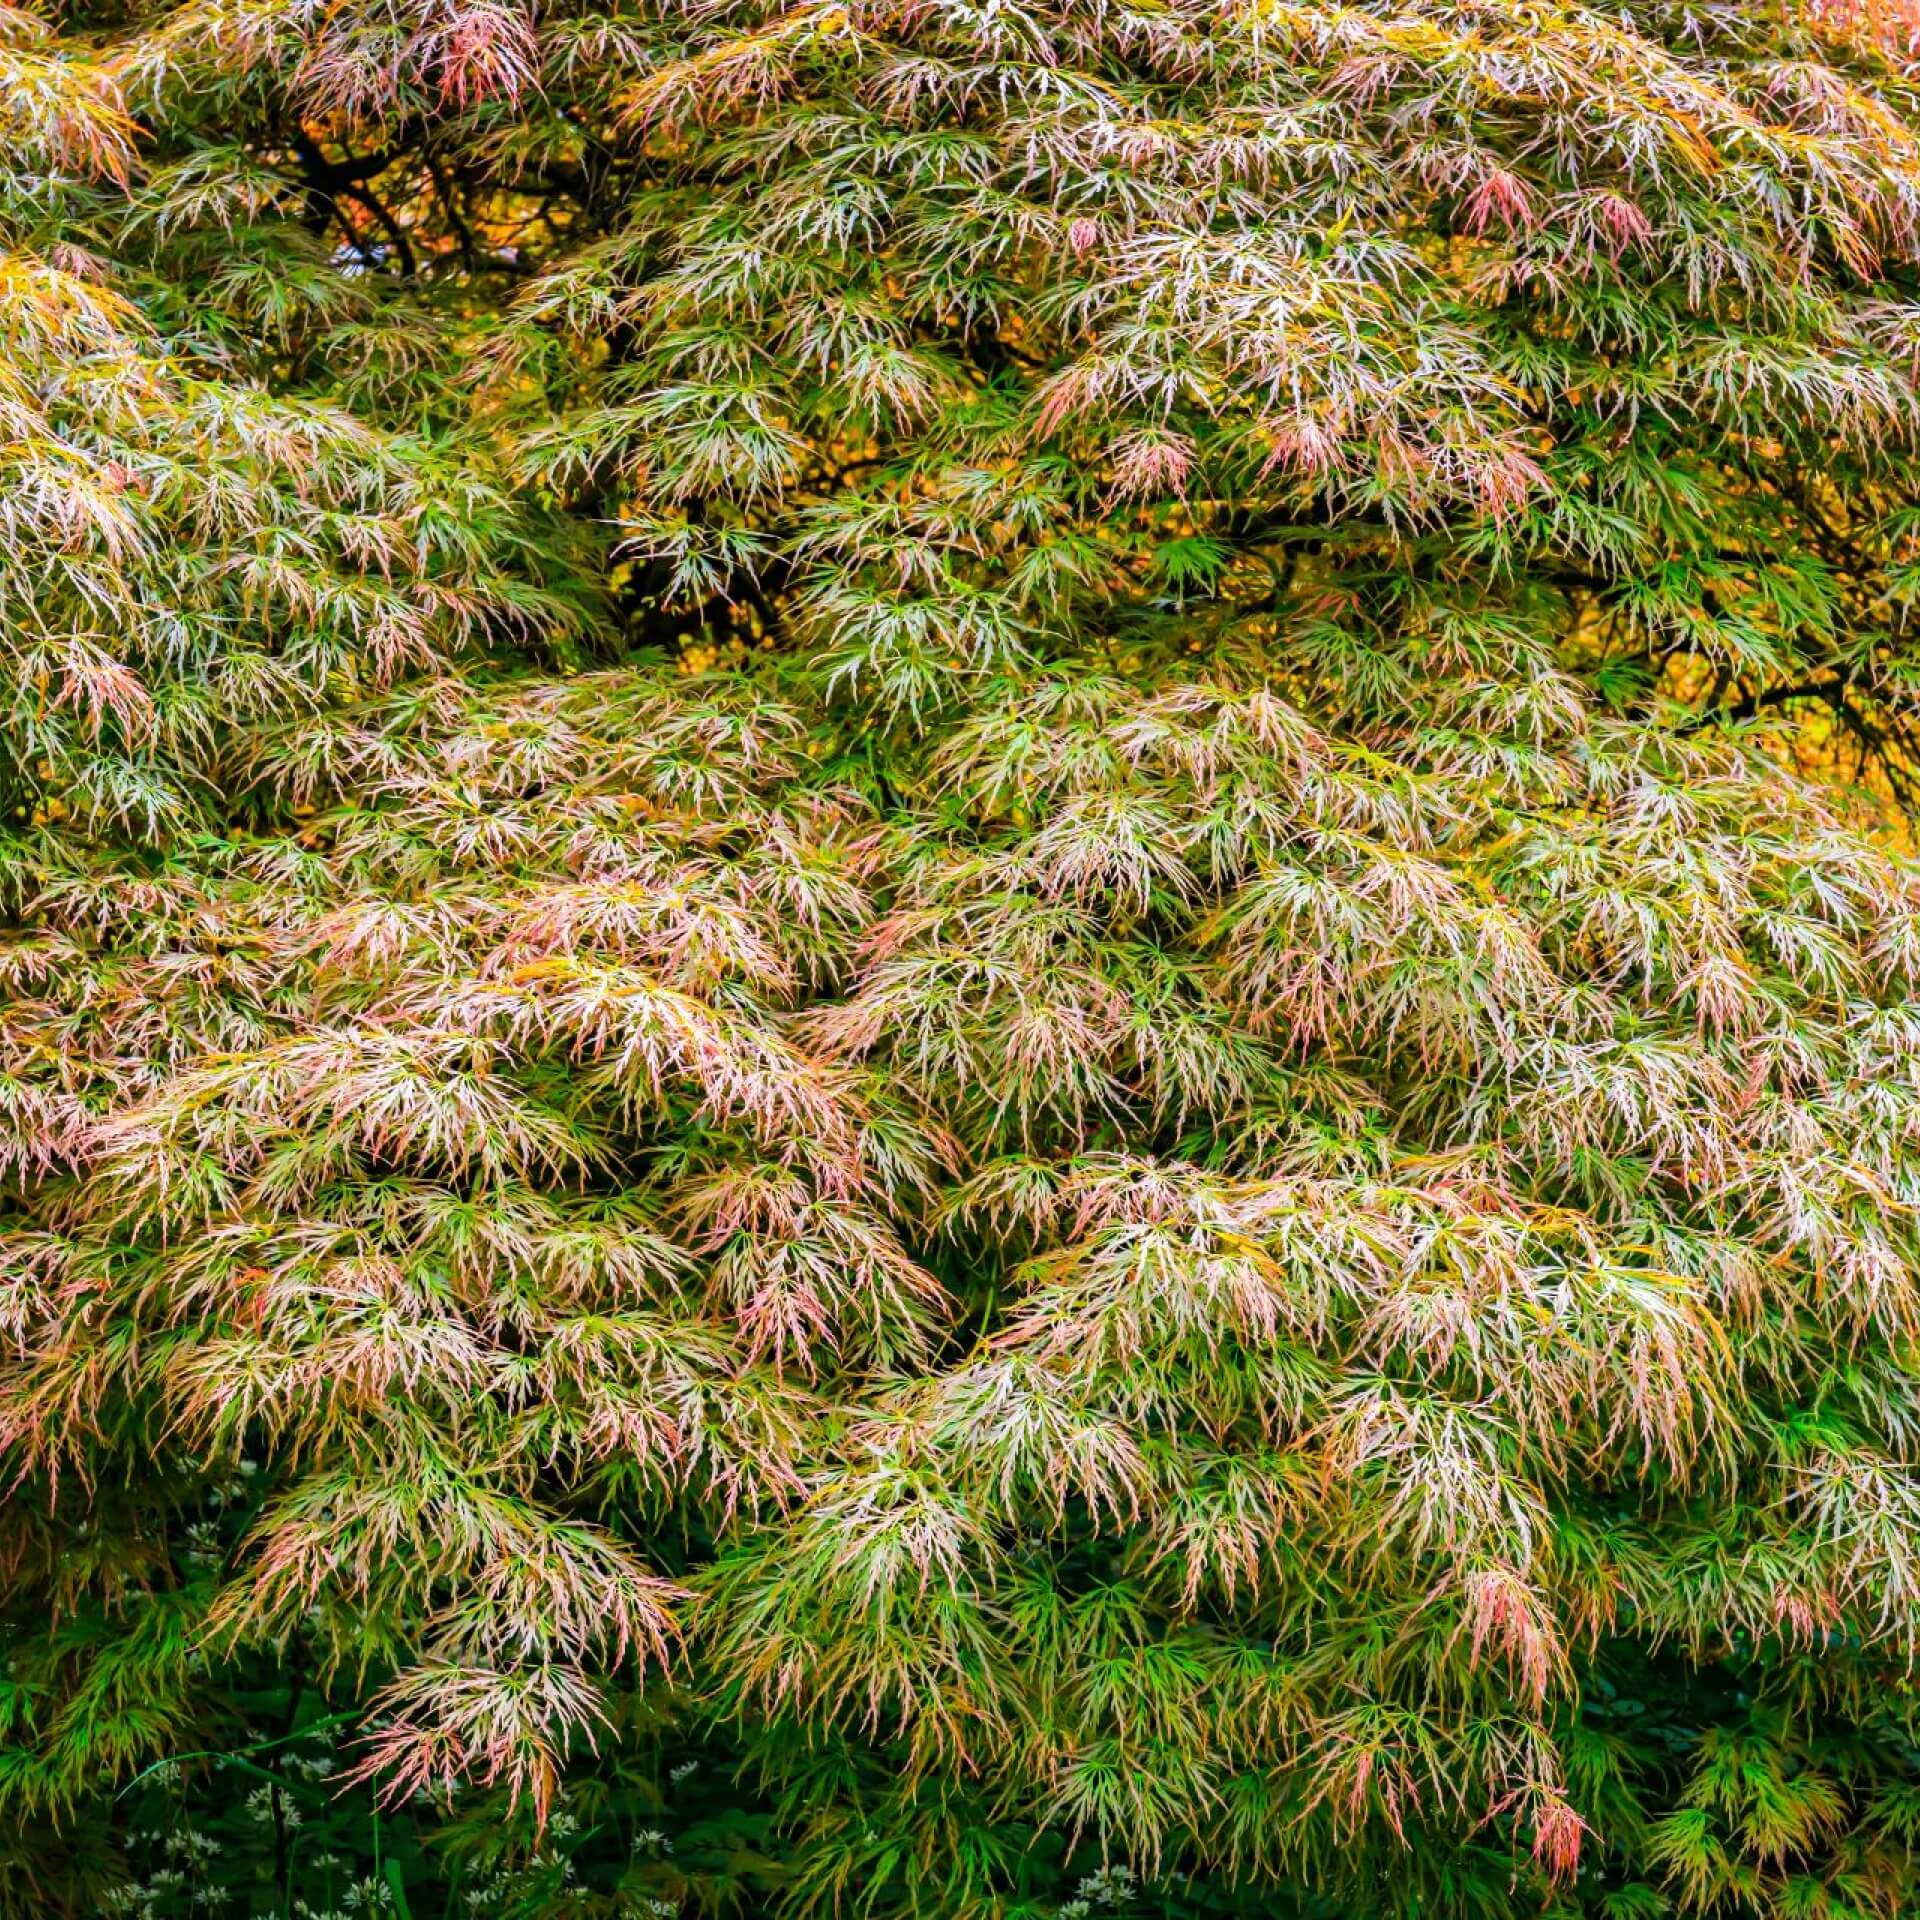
958,958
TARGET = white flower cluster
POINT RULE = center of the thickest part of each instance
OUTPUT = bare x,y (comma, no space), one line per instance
1109,1887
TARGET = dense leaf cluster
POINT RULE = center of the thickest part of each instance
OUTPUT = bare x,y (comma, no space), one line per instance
946,969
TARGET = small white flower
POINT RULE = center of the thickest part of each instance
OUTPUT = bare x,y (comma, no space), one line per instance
1109,1887
260,1807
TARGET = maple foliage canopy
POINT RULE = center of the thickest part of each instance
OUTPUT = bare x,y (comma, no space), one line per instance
956,959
